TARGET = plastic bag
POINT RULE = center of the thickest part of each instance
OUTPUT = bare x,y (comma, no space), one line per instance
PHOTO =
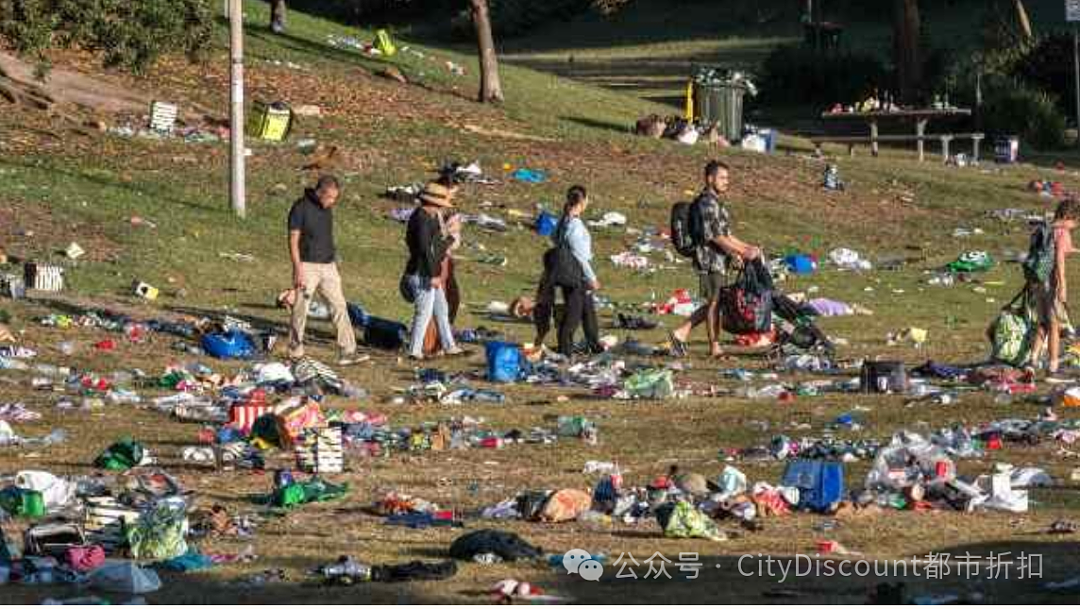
229,345
654,384
122,455
505,362
57,492
732,482
124,577
159,533
683,520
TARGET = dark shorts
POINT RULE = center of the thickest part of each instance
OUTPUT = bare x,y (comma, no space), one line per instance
710,284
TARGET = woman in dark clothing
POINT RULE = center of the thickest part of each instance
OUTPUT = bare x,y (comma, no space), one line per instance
430,237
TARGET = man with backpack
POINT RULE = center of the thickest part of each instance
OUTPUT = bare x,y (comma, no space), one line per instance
702,231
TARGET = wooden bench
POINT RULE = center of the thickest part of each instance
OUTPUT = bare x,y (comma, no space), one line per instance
945,139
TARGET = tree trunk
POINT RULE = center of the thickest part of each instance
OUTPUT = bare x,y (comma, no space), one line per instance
490,89
1022,18
906,31
277,16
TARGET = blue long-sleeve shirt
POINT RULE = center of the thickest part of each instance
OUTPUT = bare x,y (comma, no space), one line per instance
580,242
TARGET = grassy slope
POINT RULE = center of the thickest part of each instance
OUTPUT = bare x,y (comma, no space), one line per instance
86,189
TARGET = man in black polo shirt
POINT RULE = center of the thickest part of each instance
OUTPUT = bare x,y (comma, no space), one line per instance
314,264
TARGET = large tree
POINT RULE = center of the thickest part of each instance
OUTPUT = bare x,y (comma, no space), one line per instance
490,88
906,35
277,16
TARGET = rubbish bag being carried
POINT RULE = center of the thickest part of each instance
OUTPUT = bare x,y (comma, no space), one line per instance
747,304
1012,332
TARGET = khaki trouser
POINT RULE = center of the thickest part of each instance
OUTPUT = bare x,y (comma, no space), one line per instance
324,279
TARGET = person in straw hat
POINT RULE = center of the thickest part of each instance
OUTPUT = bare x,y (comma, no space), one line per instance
432,232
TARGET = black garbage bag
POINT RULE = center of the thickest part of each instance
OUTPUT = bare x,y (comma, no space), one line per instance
507,546
414,571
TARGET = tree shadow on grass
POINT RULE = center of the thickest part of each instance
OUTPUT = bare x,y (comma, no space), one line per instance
745,578
593,123
142,190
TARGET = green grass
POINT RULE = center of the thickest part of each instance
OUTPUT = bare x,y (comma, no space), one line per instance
87,189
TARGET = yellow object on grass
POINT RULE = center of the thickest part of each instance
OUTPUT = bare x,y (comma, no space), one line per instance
689,100
384,43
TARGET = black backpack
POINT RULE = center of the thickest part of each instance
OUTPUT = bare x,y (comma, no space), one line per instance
560,265
687,227
681,237
1039,264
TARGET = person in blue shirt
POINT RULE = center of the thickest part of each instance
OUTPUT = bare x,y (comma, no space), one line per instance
579,307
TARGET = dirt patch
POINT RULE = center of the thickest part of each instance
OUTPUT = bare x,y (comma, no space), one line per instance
29,230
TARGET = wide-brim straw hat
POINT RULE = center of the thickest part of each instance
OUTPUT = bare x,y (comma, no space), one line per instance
437,194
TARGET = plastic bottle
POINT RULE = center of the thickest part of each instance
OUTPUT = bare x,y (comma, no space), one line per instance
347,567
600,467
7,363
487,558
56,436
47,369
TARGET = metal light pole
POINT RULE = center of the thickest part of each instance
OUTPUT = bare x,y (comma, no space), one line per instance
236,99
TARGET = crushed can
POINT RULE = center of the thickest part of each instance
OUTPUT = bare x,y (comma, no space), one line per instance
282,478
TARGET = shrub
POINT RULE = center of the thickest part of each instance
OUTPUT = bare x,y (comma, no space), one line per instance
1011,106
1048,65
792,75
132,34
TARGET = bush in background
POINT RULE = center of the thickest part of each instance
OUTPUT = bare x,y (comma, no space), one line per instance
1011,106
132,34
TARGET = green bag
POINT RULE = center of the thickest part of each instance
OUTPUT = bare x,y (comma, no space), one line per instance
299,493
122,455
686,521
971,262
1013,331
1042,255
652,384
159,533
289,496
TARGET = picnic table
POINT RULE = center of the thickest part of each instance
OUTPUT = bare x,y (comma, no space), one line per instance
921,118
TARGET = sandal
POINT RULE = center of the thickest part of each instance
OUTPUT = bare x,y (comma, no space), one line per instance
678,347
